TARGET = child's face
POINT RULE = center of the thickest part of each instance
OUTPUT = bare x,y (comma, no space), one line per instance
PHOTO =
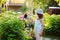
39,16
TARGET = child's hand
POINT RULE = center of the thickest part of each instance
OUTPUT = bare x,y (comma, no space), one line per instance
40,34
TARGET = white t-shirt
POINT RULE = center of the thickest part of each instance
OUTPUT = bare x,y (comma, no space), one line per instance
37,26
28,16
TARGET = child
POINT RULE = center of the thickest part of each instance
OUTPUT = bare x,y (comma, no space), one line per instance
38,27
21,17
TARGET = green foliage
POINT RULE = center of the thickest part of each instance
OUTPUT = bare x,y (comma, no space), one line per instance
52,25
41,3
23,9
11,28
58,1
44,4
3,10
2,2
53,3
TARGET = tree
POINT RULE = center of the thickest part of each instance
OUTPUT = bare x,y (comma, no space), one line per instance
44,4
41,3
58,1
53,3
1,3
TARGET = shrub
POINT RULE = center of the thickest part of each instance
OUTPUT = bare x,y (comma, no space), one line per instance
11,29
3,9
52,25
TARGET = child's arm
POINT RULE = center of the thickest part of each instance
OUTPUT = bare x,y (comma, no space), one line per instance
42,22
32,17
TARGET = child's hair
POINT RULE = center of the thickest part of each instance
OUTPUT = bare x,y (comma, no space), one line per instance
25,16
40,16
